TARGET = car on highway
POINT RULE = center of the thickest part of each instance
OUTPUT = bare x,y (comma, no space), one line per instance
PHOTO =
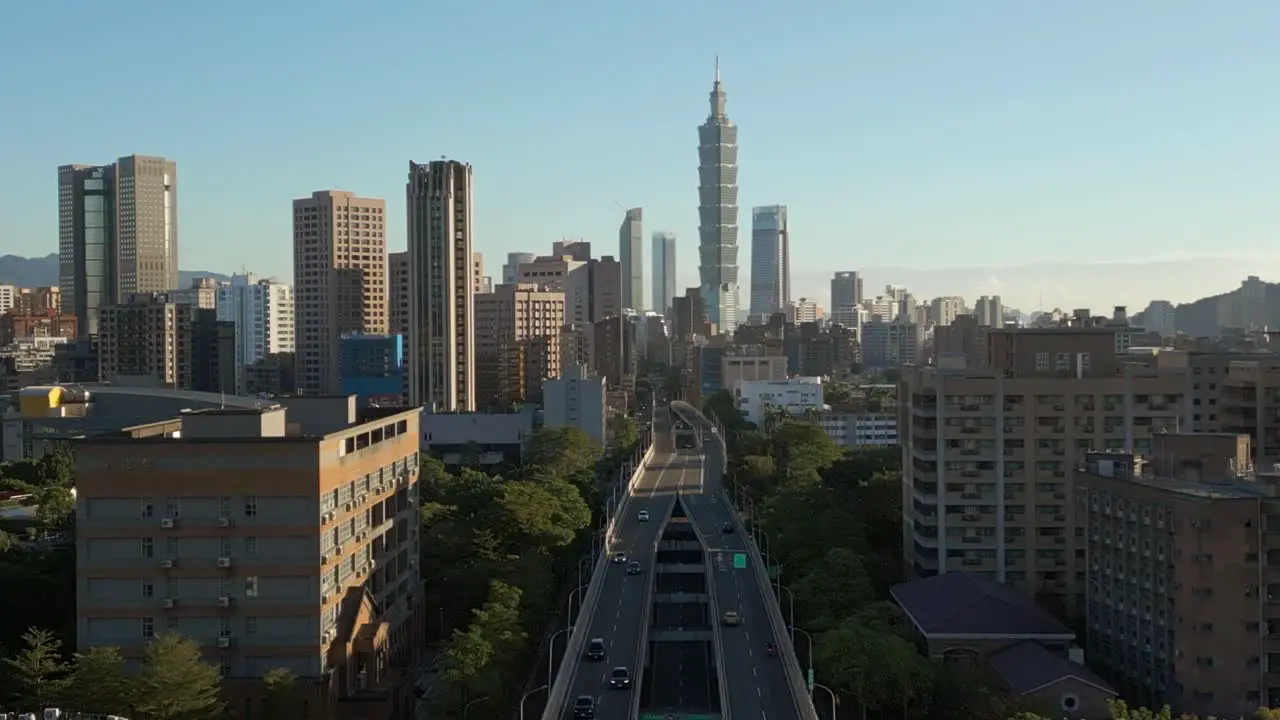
584,708
727,528
620,678
643,516
619,558
633,568
595,649
732,619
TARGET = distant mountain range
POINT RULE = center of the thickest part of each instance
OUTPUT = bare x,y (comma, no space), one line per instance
41,272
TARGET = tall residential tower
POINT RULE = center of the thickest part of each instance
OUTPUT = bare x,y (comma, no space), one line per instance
770,262
631,254
718,212
442,285
664,271
117,233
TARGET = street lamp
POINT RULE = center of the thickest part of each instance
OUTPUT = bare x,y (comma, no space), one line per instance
829,693
467,707
809,639
527,695
551,653
577,593
791,608
585,560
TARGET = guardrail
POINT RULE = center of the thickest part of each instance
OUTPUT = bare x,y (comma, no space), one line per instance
642,644
790,664
713,607
558,693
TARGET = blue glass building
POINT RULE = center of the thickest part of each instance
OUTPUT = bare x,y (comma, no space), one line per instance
371,367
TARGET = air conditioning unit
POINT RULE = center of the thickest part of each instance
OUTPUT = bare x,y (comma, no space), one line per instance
168,603
224,562
347,507
326,636
324,518
224,522
363,498
224,601
224,642
166,564
166,523
324,559
324,598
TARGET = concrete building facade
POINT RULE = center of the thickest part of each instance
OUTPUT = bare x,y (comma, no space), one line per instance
340,280
517,342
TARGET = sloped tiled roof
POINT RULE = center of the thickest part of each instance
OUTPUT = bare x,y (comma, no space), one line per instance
1029,666
962,604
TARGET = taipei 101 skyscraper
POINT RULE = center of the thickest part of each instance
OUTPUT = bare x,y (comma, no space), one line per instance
718,213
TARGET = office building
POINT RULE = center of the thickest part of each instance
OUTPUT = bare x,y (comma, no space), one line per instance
146,341
846,291
798,312
443,277
280,536
944,310
664,271
760,399
989,311
213,353
477,273
263,314
718,213
606,288
579,250
372,368
511,269
340,280
517,342
631,253
202,294
991,452
613,349
576,400
398,293
117,233
770,263
562,274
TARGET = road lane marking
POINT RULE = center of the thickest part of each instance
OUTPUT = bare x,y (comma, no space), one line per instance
758,693
755,671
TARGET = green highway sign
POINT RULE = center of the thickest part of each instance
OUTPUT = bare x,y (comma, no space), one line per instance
739,561
774,571
700,717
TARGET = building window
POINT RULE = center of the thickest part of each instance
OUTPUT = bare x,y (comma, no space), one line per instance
146,548
251,546
251,506
148,590
224,507
1063,361
173,507
251,626
1084,361
224,627
1042,361
251,586
146,508
148,629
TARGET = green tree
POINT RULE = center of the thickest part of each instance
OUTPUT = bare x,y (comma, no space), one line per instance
175,682
499,620
58,467
876,665
626,435
55,508
38,671
98,683
543,515
466,657
720,405
561,451
283,698
833,587
802,452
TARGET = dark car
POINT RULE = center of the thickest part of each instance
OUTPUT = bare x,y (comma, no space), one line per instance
584,708
727,528
595,649
619,558
633,568
620,678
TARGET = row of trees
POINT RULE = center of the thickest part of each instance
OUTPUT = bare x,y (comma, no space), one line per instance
832,519
498,547
173,681
1121,711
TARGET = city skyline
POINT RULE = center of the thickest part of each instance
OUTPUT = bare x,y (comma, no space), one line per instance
718,211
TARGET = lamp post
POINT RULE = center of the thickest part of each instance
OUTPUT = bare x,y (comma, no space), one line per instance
808,639
584,561
551,653
832,695
577,593
791,608
467,707
529,694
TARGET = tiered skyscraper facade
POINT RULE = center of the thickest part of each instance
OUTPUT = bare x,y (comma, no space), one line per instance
718,212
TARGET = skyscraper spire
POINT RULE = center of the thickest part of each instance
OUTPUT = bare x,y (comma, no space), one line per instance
717,69
717,97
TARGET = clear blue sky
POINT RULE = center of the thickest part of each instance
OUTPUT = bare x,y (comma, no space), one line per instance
931,132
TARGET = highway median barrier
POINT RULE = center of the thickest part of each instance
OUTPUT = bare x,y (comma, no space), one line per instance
642,644
557,694
713,607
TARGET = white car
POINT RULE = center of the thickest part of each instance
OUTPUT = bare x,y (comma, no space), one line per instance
643,516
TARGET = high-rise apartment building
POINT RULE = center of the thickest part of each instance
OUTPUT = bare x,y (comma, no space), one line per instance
263,314
117,233
572,277
398,293
340,280
989,311
606,288
477,273
146,340
511,269
313,569
991,451
846,291
631,253
944,310
664,271
517,342
770,263
718,213
442,279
